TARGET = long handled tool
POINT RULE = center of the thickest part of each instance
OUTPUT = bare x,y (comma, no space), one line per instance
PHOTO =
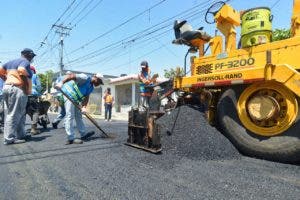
84,113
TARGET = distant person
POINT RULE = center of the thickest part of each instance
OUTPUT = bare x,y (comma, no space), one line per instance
18,76
78,87
33,101
108,103
1,106
145,80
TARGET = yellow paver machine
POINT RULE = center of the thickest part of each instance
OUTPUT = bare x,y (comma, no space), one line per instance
251,91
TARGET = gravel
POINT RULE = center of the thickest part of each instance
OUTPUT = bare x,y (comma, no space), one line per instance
185,132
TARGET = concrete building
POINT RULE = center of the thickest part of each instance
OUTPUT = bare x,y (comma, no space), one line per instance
127,91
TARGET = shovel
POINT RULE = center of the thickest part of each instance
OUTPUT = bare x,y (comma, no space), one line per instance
84,113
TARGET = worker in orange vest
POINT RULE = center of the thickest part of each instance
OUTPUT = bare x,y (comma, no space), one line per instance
108,103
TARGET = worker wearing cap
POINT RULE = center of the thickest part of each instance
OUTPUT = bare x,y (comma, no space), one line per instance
108,103
33,101
17,86
78,87
145,80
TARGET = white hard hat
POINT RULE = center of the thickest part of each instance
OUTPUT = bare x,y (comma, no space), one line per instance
98,75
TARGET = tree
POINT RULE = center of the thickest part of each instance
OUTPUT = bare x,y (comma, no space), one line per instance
171,73
46,79
281,34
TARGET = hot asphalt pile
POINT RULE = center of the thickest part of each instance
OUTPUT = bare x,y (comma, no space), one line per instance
185,132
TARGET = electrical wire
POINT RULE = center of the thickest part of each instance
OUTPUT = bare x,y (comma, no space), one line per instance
140,35
142,46
93,8
117,27
59,18
275,4
81,11
72,11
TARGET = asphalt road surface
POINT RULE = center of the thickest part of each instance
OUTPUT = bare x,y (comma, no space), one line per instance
46,168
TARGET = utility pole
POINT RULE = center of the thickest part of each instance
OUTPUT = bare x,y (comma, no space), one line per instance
62,31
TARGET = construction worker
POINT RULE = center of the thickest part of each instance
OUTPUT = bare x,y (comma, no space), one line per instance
62,110
1,106
17,86
33,102
108,103
78,88
145,80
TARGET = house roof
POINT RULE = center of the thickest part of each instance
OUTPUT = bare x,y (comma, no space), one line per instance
133,77
130,78
79,72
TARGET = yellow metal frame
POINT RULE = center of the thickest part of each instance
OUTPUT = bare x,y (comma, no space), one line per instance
277,61
285,119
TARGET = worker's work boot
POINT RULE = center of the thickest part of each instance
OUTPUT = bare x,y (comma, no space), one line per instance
54,125
34,130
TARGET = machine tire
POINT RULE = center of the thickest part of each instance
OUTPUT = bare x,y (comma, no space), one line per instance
282,148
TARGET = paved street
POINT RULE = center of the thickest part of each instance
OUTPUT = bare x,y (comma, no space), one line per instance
45,168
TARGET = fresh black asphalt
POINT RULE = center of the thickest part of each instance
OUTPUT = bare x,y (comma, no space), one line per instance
197,163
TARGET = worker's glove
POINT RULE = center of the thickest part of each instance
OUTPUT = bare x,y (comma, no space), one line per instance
59,85
83,110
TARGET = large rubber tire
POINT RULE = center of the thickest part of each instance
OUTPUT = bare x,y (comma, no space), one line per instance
281,148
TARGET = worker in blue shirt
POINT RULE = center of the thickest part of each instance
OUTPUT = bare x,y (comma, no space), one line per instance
78,87
17,76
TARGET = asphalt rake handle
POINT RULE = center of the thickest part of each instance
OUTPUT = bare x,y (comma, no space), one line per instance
84,113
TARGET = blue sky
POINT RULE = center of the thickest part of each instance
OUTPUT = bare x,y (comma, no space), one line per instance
25,23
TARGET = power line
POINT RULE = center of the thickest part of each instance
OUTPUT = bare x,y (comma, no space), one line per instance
59,18
140,34
118,26
72,11
93,8
136,59
81,11
115,55
275,3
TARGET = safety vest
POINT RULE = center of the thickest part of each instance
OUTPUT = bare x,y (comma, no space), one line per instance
143,90
78,93
108,98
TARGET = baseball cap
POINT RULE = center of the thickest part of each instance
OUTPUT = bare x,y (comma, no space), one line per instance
144,64
28,52
99,76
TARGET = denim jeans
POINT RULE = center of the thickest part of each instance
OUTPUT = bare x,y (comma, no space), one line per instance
61,114
144,101
108,108
72,113
1,111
